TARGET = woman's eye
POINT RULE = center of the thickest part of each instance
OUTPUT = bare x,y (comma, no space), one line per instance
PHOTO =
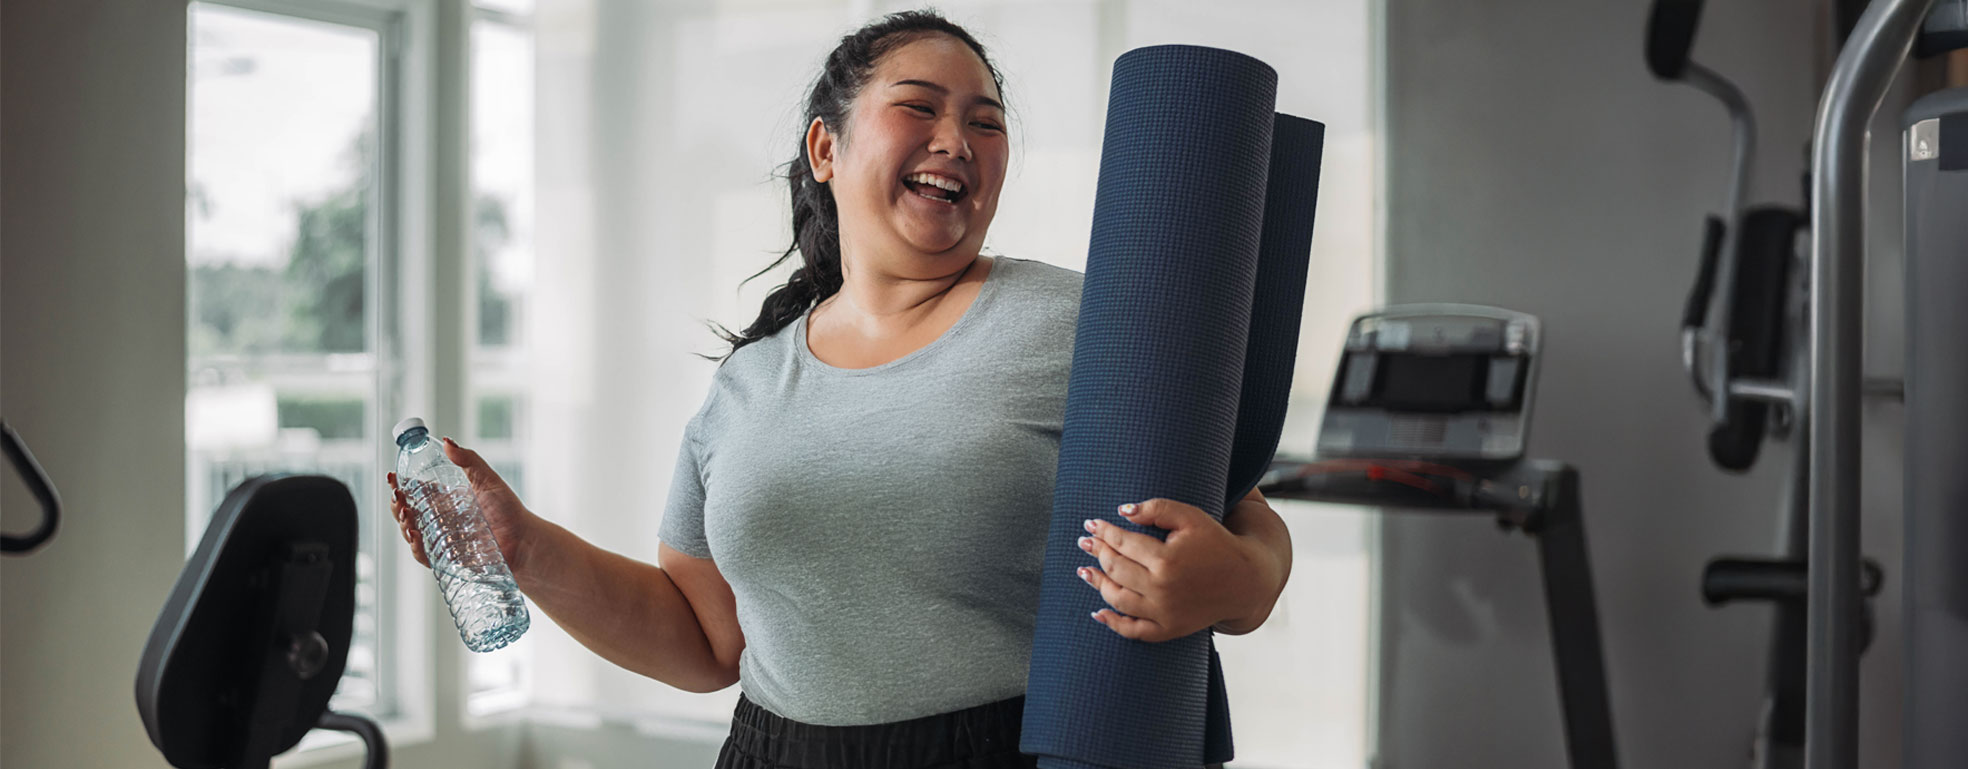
927,111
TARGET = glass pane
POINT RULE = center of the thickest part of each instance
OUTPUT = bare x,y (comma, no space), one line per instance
280,220
502,267
502,178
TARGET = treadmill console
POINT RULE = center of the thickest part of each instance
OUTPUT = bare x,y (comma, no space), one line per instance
1443,382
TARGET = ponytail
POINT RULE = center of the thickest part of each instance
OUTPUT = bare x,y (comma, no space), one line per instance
816,220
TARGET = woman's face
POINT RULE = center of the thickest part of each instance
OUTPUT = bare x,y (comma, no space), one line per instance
930,108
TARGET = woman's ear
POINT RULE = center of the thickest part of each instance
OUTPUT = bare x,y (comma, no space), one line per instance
820,151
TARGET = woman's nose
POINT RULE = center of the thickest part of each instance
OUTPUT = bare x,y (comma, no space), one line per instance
949,139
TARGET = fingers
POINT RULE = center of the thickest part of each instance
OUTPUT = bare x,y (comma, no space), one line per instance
1132,627
1165,513
417,550
460,455
399,502
1116,565
413,537
1138,547
477,471
406,522
1123,599
1117,578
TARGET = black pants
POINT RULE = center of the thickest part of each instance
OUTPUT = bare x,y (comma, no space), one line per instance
983,737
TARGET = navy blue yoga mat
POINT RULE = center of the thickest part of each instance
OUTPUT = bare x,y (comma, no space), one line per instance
1188,331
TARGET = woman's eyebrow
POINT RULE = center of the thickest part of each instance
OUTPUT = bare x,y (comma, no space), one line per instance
940,89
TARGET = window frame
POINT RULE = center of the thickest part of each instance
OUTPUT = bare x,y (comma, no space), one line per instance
490,708
405,256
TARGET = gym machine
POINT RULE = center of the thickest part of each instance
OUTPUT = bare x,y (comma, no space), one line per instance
1827,383
1430,411
1934,149
1744,343
253,640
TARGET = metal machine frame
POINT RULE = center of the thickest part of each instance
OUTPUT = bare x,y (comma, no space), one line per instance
1463,453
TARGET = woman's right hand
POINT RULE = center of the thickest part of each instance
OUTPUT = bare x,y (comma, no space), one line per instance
510,519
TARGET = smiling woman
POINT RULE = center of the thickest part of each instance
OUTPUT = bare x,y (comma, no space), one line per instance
914,168
924,366
952,151
903,158
921,385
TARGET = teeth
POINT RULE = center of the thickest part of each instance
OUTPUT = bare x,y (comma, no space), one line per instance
935,181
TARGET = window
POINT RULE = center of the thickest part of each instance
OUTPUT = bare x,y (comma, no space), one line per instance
285,219
500,266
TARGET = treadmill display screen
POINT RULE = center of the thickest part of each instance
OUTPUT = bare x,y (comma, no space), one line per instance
1431,383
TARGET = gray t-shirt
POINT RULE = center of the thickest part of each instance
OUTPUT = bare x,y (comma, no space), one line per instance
883,528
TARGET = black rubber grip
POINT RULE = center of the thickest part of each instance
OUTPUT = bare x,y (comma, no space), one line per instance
1753,579
1671,36
38,483
1696,313
1773,579
1764,250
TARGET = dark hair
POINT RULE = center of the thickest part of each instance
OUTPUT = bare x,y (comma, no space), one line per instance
816,223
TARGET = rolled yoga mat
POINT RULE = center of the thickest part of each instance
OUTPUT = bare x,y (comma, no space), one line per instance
1182,362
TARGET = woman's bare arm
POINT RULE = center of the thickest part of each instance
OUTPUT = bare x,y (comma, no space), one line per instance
676,623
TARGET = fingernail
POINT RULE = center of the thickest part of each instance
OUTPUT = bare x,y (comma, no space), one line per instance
1092,525
1086,574
1096,617
1086,543
1128,509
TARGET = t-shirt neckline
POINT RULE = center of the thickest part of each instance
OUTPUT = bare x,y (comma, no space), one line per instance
984,294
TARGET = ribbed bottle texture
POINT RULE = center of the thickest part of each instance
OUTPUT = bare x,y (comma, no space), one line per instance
471,574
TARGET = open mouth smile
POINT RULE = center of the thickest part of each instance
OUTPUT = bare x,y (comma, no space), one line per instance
941,189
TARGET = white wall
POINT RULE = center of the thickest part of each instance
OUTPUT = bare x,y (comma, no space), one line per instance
92,329
1535,164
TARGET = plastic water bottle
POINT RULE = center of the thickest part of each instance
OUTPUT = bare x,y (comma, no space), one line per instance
472,575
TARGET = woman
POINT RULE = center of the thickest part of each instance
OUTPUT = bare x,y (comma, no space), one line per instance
861,503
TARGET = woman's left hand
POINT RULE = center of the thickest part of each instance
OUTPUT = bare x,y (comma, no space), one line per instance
1203,575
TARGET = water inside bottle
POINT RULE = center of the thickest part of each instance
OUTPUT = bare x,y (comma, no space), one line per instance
471,574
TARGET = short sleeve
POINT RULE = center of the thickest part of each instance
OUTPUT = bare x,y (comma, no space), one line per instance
683,516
